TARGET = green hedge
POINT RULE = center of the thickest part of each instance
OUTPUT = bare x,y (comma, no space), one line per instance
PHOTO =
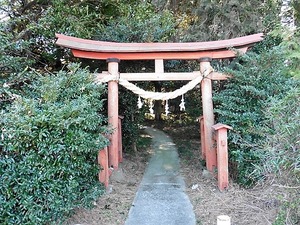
48,151
281,146
256,79
281,152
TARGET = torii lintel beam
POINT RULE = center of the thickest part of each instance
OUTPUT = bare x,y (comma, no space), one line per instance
92,49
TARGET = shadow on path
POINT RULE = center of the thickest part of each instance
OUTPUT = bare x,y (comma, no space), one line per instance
161,197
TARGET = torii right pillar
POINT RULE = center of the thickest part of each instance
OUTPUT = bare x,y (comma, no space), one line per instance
208,116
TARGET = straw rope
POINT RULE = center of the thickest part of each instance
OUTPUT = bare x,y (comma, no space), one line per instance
157,95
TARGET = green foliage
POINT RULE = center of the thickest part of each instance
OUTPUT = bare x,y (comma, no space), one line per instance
133,119
292,44
218,19
289,212
10,60
36,22
13,68
139,23
255,79
296,6
281,145
281,151
80,19
48,149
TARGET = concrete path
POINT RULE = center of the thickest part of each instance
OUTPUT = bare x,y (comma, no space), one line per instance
160,199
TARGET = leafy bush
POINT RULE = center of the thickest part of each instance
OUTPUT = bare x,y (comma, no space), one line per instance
281,146
289,212
255,79
133,118
280,152
219,19
49,147
14,64
139,22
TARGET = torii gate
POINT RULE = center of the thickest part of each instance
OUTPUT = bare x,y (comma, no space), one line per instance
113,52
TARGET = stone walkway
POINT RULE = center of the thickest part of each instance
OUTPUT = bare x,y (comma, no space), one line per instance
161,197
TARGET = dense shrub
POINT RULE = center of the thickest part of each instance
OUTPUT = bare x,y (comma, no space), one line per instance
255,79
48,149
281,146
133,118
139,22
14,63
281,152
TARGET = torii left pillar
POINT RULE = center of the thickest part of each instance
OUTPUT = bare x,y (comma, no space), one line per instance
113,113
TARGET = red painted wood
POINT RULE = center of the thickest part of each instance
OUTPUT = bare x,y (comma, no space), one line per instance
220,126
102,46
222,158
214,54
103,162
222,155
120,139
113,117
202,139
208,118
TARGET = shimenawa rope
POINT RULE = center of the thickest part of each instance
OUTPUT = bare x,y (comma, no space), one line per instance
157,95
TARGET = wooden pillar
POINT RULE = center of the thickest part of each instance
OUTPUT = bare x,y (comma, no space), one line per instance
203,155
208,116
113,111
222,155
159,66
120,139
103,162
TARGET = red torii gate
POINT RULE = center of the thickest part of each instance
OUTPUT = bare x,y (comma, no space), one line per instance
113,52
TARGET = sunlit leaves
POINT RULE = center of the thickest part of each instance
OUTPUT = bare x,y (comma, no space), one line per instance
48,149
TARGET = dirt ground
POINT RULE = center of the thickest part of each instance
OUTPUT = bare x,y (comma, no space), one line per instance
112,208
256,206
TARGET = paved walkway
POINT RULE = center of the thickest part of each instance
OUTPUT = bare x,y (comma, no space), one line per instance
160,199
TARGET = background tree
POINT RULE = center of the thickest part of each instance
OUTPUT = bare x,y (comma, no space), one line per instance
218,20
296,5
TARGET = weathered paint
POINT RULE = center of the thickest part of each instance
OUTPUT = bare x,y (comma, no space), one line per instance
208,117
202,139
120,139
161,76
103,162
214,54
115,47
222,155
113,114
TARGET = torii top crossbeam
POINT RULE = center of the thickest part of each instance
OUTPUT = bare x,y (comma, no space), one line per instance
92,49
